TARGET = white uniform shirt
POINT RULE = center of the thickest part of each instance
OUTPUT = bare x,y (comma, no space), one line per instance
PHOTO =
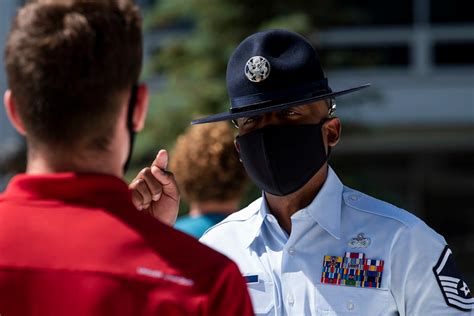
284,272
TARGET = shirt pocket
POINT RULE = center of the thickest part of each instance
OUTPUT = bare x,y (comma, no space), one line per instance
345,300
262,292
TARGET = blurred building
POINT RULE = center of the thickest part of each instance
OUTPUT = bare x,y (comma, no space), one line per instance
410,138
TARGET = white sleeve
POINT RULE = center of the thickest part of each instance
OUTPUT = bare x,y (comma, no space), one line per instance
420,266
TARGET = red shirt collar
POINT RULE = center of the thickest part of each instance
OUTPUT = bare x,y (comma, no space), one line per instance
89,189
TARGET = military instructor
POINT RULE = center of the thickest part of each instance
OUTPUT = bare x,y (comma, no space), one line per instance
310,245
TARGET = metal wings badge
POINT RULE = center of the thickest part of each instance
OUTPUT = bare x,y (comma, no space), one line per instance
257,69
359,242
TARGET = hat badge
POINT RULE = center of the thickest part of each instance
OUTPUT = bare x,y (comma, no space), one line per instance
257,69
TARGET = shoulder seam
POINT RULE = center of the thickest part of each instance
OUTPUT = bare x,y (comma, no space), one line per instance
386,204
234,217
231,218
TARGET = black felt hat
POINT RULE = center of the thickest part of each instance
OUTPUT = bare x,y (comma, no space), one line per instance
271,71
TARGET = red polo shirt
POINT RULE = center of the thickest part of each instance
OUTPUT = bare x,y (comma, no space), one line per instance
73,244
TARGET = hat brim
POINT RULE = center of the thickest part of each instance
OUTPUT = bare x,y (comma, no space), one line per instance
226,116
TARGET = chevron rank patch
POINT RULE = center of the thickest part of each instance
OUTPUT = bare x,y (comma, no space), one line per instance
455,291
352,270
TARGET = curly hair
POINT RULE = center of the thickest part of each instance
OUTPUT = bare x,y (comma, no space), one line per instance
206,164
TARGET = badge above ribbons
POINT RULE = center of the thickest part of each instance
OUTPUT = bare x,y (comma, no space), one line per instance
455,291
352,270
359,242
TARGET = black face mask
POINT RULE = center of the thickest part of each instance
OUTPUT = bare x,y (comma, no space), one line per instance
280,159
131,132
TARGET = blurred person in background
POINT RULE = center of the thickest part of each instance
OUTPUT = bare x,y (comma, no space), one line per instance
209,174
310,245
71,240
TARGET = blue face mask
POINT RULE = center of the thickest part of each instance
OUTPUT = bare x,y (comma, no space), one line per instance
280,159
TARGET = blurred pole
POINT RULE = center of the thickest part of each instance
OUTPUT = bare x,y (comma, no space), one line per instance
421,55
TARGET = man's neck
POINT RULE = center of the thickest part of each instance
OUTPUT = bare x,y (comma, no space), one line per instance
44,161
283,207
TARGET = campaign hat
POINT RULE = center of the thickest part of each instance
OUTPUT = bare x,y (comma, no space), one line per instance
271,71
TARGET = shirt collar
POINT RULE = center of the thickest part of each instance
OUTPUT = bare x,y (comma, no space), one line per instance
325,209
255,222
93,190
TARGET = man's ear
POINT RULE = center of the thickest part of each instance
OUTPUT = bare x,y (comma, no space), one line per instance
332,130
237,146
141,108
12,112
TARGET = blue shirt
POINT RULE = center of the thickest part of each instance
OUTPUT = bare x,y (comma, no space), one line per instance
285,273
197,225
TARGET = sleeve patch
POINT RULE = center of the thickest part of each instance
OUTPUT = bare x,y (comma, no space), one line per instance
455,291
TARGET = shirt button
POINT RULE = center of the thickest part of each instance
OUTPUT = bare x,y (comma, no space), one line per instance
350,305
291,251
353,197
291,301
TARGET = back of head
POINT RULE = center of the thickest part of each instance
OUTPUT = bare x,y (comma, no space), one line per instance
67,62
206,164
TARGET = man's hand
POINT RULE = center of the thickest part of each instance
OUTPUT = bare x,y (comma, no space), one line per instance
154,190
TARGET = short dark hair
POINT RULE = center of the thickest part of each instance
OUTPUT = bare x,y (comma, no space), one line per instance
206,164
67,62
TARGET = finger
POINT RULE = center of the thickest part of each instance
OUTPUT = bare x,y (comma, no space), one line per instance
142,188
161,160
154,186
167,181
137,198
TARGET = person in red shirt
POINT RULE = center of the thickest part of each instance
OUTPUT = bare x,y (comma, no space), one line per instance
71,240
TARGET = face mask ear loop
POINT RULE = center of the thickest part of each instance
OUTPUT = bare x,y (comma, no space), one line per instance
131,132
322,122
